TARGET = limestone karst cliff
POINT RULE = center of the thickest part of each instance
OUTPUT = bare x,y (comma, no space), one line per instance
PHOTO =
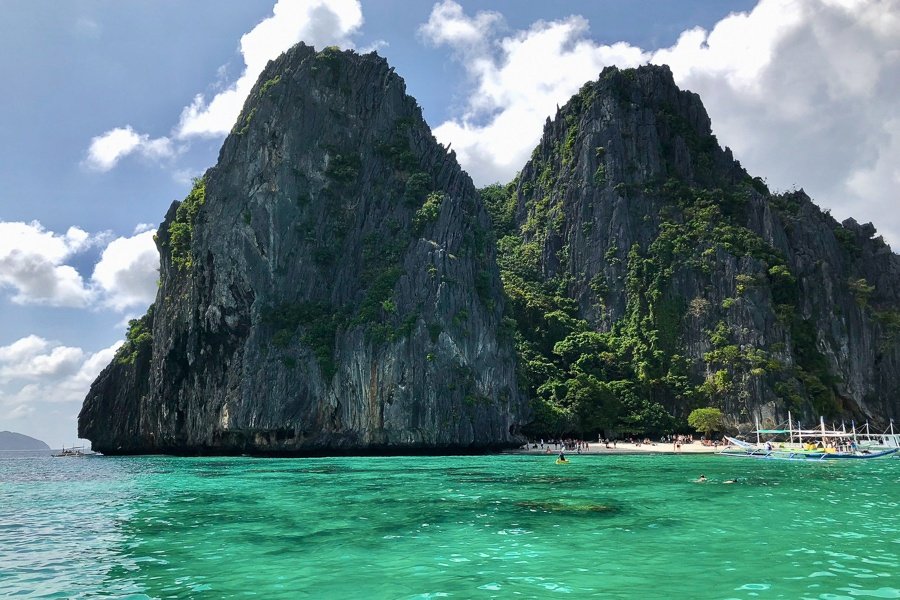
336,283
329,286
649,274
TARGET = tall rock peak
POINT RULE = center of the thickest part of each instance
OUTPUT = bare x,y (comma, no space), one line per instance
329,286
649,274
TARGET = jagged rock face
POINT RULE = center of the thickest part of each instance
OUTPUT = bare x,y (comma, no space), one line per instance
754,302
329,286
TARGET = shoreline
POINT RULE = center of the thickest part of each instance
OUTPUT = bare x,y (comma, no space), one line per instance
595,448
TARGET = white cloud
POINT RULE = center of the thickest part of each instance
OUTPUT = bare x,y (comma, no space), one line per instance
316,22
518,81
31,262
75,387
142,227
27,346
34,369
127,271
42,384
447,24
32,358
108,149
803,91
374,47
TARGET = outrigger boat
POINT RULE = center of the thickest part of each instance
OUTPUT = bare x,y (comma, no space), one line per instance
830,445
878,441
73,451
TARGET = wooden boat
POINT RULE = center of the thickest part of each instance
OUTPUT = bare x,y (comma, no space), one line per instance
831,445
782,452
877,441
71,452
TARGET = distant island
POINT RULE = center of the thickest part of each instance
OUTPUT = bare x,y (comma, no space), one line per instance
10,440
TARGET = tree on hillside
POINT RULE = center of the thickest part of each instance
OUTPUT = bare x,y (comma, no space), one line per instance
706,420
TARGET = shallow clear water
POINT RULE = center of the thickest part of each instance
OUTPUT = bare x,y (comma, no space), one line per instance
463,527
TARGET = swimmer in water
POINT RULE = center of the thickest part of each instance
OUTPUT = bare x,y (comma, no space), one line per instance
701,479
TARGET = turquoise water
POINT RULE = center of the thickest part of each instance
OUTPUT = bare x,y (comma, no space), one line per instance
458,527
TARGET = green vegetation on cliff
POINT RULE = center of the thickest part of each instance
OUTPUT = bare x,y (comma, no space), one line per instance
181,230
138,338
683,294
635,375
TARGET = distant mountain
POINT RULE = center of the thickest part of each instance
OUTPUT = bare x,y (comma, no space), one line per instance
16,441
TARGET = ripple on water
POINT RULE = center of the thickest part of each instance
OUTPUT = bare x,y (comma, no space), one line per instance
496,526
859,592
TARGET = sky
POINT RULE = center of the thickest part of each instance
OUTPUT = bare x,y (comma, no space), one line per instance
110,108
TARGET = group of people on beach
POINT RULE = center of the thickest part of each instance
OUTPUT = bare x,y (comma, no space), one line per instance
572,445
576,445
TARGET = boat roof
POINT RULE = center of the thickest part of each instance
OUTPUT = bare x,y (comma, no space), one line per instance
807,432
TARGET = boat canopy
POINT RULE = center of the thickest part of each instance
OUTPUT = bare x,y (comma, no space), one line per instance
806,432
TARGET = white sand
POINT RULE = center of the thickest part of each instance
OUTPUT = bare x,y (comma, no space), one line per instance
626,448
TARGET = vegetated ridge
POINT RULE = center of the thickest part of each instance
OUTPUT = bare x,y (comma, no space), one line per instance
335,284
649,274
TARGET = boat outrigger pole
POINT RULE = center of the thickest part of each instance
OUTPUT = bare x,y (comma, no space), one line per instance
790,429
822,422
757,431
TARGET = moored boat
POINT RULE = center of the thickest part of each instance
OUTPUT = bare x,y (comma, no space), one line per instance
745,450
830,445
71,452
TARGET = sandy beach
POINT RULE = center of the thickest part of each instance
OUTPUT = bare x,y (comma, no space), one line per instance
624,448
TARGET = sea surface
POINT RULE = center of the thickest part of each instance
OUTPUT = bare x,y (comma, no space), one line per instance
508,526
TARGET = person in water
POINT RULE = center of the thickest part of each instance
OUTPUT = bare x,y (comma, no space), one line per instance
701,479
734,480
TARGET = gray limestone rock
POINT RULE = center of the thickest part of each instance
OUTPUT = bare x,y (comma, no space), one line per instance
810,308
330,286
